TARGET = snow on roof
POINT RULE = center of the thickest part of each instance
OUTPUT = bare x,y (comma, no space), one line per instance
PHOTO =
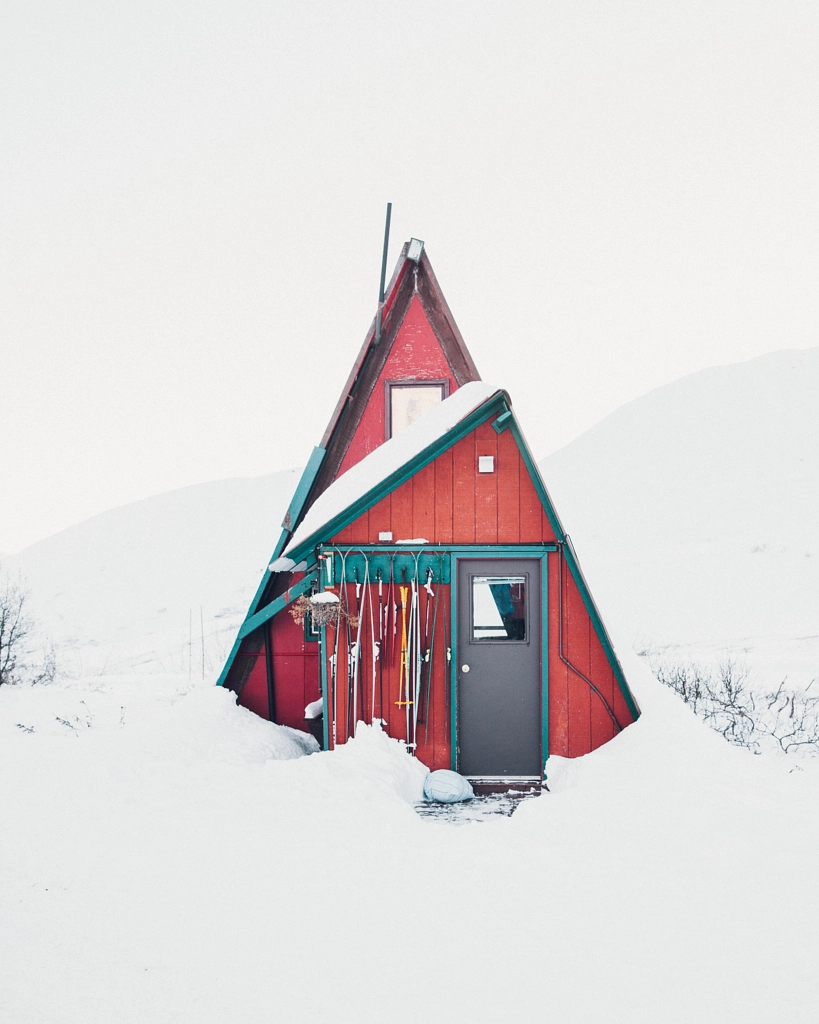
389,457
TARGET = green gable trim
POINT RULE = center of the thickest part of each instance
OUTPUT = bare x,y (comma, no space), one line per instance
296,506
400,476
293,512
253,621
599,628
544,663
261,617
502,422
574,568
537,480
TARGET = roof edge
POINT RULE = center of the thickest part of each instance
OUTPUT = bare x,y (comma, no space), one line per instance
499,401
389,299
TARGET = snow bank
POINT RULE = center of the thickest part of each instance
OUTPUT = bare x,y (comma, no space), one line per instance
175,863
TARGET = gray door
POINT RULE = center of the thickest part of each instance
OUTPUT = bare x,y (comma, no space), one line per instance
498,652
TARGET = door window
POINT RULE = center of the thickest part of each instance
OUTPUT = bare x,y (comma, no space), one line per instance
498,608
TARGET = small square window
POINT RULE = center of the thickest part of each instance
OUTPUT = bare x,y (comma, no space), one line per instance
409,400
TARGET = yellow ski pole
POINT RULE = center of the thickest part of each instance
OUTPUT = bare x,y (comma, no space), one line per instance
404,660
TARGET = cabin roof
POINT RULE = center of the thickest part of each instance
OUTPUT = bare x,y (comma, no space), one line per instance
390,458
409,279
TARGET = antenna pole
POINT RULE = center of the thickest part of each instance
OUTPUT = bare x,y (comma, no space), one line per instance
378,315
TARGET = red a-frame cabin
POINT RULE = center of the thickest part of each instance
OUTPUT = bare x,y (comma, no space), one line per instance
457,612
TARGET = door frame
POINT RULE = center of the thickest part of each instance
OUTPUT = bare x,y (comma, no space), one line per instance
471,552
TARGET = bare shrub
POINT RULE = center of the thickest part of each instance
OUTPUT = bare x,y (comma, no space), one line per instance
21,658
785,719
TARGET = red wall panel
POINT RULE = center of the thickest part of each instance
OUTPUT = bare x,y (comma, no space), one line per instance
449,502
416,354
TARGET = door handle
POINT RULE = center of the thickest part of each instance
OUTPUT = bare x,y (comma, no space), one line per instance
464,668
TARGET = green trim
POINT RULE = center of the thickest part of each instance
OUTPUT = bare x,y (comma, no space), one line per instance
400,476
574,569
599,628
544,661
401,561
437,549
502,422
537,480
453,664
540,552
324,695
254,604
401,565
254,621
295,509
308,475
501,550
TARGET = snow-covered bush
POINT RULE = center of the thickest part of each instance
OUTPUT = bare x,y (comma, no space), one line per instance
21,659
784,719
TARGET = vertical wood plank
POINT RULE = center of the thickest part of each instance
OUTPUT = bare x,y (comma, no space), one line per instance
355,533
508,469
558,673
441,751
380,518
401,512
463,490
546,532
486,487
602,727
531,524
442,533
576,633
423,503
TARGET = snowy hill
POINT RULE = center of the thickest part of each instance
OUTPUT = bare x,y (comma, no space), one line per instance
159,862
119,592
695,509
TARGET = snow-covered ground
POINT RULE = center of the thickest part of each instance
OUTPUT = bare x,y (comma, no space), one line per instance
164,858
134,589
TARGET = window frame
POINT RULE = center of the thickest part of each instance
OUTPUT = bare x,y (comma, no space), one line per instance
472,639
409,382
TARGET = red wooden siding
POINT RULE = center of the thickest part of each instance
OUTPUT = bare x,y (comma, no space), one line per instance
578,719
450,502
295,673
416,355
253,694
432,736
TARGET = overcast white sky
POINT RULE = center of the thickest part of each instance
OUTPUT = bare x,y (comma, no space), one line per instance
612,195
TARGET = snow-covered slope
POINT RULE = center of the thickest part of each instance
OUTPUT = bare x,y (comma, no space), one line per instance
123,590
164,858
159,857
695,511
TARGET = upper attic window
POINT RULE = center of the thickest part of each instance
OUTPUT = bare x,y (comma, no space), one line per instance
408,400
